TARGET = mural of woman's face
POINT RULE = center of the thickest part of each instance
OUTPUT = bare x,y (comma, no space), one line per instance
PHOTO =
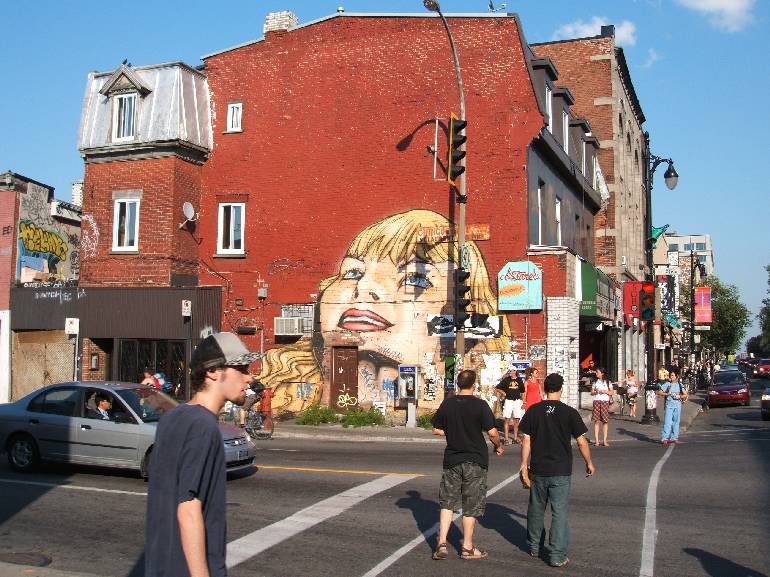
387,304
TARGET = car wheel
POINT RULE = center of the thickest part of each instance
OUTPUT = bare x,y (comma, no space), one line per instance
145,470
23,454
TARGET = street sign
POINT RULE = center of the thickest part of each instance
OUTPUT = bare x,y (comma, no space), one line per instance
71,326
186,308
702,327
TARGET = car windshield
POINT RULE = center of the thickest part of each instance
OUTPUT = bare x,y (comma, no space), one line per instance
149,404
732,378
764,362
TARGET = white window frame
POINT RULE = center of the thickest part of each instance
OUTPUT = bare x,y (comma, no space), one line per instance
557,216
565,129
584,163
220,221
116,224
116,113
540,213
234,117
549,106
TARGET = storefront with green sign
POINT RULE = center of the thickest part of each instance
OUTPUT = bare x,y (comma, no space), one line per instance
598,334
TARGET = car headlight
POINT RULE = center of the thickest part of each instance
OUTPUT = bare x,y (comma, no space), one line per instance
766,397
713,392
741,390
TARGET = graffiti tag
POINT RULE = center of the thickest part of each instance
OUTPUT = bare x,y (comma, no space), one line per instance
36,239
346,400
63,296
391,353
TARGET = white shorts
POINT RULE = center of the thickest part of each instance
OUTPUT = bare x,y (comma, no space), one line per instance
513,409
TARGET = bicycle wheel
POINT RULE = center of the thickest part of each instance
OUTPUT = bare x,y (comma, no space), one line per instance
266,431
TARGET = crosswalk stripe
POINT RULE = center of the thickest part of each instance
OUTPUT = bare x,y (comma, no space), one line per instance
248,546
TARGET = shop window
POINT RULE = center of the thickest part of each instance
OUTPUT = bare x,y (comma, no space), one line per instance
155,356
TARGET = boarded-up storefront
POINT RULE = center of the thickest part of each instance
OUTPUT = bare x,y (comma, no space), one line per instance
40,358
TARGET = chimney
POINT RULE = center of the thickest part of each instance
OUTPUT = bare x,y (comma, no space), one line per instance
77,193
608,30
280,21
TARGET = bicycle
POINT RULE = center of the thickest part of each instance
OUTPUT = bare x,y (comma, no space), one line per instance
258,424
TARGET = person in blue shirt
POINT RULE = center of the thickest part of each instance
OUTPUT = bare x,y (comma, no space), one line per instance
672,391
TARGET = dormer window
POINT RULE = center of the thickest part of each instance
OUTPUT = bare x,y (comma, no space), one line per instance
565,130
549,107
123,117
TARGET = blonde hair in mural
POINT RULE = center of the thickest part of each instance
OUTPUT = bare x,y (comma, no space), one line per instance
398,239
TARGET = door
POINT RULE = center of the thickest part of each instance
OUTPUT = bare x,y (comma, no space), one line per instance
52,417
344,387
107,442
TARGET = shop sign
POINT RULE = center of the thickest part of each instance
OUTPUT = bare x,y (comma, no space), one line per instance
631,301
597,292
520,287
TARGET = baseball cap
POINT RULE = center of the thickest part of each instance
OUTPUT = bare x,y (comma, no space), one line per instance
222,349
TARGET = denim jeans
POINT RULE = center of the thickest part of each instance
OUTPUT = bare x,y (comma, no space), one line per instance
554,491
671,418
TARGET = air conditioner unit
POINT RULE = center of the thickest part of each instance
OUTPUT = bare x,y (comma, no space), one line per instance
288,326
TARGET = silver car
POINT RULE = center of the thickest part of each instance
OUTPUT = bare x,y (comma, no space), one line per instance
63,423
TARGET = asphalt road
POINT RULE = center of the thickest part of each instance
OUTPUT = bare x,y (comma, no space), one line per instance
337,508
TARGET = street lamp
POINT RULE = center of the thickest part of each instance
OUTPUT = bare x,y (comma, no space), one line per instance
434,6
672,179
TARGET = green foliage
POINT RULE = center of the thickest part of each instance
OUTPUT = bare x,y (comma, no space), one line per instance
424,420
361,418
763,344
317,414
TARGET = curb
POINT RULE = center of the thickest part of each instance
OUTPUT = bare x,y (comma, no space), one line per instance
354,437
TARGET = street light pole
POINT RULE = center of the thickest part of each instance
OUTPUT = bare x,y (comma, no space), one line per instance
650,402
434,6
701,270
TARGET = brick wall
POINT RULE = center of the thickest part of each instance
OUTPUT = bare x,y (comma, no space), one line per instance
8,235
163,248
563,344
89,347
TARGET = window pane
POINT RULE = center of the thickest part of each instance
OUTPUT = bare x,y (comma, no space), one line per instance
122,224
237,228
673,247
225,227
62,402
131,224
129,116
700,246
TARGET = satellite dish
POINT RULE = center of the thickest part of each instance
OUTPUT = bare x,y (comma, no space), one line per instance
188,210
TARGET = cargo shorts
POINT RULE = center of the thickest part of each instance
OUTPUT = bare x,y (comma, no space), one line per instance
464,485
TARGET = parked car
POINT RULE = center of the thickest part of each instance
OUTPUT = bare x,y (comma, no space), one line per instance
763,369
765,405
61,423
728,388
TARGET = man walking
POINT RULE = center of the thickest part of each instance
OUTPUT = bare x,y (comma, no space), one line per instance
463,419
186,497
509,390
548,429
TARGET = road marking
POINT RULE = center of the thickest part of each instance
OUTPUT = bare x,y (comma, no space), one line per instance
74,487
650,533
341,471
725,432
425,535
253,544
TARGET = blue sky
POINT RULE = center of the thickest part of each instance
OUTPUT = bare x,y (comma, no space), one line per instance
699,67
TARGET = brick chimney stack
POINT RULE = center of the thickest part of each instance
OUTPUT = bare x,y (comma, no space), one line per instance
608,30
280,21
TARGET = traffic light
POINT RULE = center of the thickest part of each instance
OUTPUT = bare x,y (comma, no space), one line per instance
647,301
457,139
462,302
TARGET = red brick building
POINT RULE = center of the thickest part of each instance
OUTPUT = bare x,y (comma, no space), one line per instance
319,213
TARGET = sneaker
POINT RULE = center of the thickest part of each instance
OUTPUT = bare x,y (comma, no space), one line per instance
664,442
534,553
561,563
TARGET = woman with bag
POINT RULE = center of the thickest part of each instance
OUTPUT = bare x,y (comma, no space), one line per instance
632,390
602,393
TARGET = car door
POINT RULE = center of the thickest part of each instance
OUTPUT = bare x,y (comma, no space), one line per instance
110,442
51,421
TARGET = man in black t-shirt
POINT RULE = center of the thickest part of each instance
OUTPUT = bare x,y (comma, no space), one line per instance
463,419
549,428
509,389
186,523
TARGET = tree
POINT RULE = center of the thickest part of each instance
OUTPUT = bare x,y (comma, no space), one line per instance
760,344
754,345
731,317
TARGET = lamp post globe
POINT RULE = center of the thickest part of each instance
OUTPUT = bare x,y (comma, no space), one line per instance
671,176
432,5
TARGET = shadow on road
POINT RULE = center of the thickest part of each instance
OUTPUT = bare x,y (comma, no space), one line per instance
638,436
425,513
504,521
716,566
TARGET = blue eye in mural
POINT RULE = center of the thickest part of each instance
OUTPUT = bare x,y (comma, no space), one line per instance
353,274
417,279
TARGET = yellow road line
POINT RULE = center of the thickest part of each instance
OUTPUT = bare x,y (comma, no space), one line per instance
342,471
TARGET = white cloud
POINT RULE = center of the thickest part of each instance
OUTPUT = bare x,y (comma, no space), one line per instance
727,15
652,58
625,32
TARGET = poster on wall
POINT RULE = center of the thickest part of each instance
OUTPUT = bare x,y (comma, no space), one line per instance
703,312
667,292
520,287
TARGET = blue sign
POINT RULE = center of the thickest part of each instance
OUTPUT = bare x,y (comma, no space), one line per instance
520,287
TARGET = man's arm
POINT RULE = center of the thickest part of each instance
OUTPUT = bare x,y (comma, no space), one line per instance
494,436
525,451
192,533
585,452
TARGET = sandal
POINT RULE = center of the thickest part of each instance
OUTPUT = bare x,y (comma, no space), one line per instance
473,553
441,552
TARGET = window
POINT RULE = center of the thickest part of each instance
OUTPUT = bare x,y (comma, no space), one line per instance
123,117
125,228
234,112
64,402
565,130
673,247
540,185
702,258
595,183
557,212
549,107
688,246
700,246
583,166
230,236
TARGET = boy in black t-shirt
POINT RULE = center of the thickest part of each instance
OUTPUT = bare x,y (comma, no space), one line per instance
509,389
548,429
463,419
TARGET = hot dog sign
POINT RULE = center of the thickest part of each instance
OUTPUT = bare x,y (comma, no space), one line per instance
520,287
